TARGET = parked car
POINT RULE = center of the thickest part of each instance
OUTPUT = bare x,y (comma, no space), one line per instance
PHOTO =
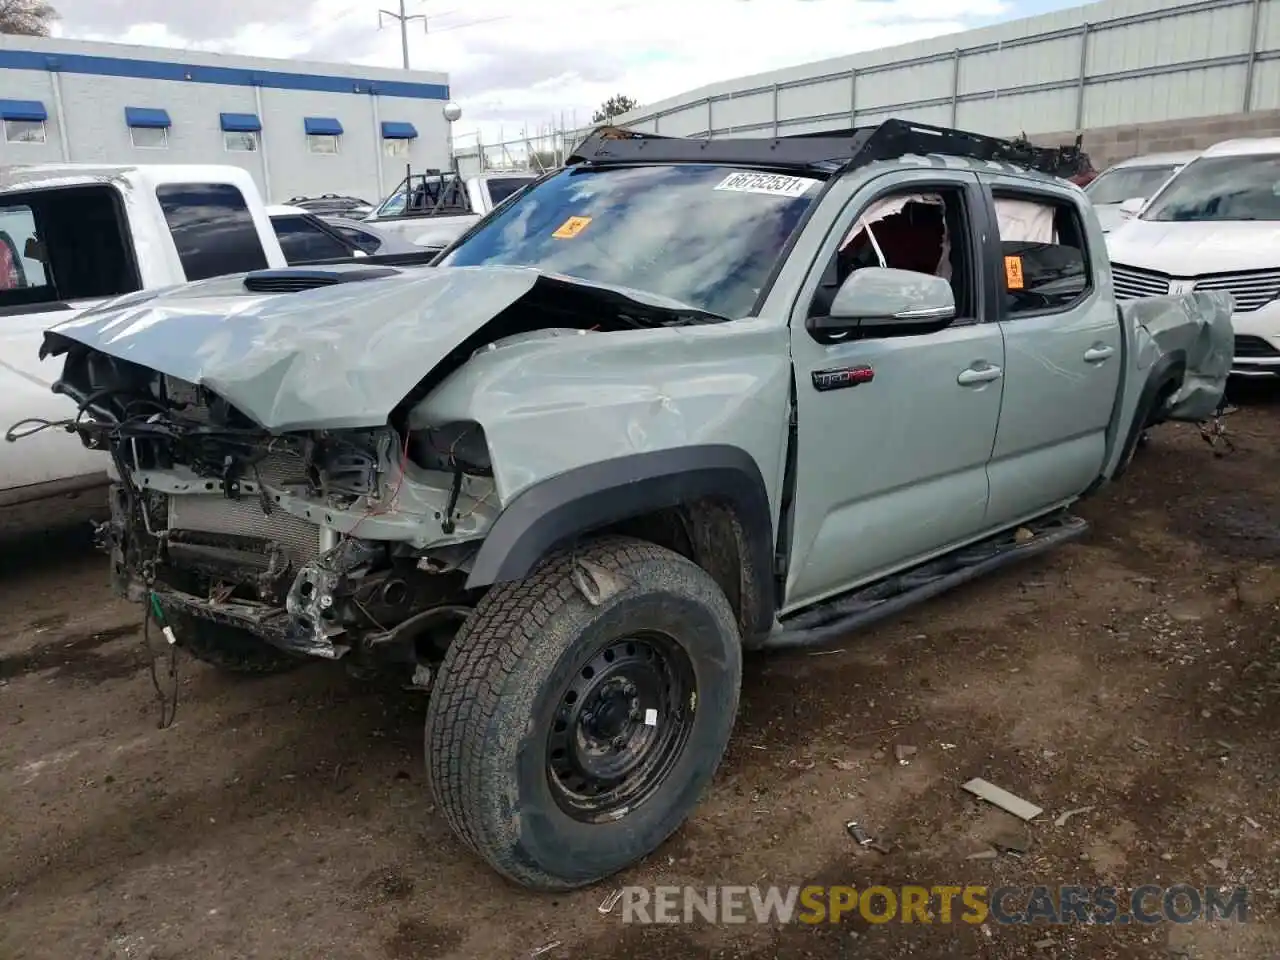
1120,191
88,234
434,209
681,398
78,235
369,237
1213,227
331,203
307,238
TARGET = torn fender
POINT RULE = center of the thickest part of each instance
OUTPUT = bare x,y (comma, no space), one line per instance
341,356
1197,327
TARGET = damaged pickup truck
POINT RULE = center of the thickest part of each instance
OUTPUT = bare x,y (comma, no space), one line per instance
677,400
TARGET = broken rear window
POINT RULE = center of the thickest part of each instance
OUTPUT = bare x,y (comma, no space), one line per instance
708,236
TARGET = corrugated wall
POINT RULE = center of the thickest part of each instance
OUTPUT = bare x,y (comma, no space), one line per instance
1119,62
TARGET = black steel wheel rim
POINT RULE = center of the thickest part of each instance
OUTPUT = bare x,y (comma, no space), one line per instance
620,726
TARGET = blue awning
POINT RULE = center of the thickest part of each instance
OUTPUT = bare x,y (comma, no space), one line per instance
22,110
322,126
392,130
151,117
240,122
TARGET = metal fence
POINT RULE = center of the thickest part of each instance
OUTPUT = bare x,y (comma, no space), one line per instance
1197,59
545,151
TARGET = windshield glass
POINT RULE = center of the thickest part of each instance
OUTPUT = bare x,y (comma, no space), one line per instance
393,206
1222,188
1117,186
707,236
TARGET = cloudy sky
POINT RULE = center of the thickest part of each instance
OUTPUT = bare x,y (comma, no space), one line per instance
516,64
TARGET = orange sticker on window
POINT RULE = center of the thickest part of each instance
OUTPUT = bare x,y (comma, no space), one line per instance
571,228
1013,273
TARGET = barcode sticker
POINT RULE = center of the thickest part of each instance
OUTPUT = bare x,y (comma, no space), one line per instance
769,184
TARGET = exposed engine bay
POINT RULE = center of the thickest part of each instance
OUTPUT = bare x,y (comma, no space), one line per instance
312,541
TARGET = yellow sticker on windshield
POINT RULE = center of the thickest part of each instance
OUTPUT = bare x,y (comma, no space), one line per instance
571,228
1013,273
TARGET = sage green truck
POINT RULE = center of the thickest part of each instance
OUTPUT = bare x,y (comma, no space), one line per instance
676,401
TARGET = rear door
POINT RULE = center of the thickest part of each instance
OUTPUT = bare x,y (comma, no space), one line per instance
1063,350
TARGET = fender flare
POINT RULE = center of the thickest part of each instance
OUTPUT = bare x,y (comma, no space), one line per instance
554,512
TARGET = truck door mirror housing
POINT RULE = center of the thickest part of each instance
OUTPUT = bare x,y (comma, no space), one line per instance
882,301
1133,206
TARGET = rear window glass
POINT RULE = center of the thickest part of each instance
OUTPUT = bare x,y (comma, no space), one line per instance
212,229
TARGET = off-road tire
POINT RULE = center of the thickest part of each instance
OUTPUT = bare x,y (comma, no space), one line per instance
230,649
503,679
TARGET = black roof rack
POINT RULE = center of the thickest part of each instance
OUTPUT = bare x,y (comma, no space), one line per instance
829,150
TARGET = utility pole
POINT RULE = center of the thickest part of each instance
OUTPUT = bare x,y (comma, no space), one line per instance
404,19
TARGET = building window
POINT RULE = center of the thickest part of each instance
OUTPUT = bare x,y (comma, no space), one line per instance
24,131
240,132
240,141
212,228
324,135
149,138
397,138
323,143
24,121
148,127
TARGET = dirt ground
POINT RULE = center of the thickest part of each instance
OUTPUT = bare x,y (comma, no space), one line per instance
1136,673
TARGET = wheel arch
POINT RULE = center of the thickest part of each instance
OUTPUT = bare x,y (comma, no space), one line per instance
1165,375
716,492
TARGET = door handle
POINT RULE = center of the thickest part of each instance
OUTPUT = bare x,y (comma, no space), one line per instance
977,375
1098,354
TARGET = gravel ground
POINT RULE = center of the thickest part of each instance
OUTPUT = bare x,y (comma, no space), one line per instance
1136,673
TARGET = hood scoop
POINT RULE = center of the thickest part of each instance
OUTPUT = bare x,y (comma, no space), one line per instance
296,280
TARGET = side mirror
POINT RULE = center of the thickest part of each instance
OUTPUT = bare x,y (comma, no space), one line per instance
1133,206
882,300
357,252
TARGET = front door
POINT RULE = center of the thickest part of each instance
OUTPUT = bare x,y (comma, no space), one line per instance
892,468
1063,352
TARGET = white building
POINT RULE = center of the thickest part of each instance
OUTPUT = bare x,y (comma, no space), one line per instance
299,128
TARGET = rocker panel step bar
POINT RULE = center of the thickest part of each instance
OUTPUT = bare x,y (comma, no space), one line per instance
835,619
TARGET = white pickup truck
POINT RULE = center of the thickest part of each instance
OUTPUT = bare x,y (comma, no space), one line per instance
73,236
433,209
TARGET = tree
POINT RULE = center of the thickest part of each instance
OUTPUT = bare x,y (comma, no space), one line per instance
615,106
32,18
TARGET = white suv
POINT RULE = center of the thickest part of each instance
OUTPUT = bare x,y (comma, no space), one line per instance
1214,226
1121,190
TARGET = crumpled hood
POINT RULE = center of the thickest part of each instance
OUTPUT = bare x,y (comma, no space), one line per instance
333,357
1196,249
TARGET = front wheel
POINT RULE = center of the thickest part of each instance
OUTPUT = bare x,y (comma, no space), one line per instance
580,713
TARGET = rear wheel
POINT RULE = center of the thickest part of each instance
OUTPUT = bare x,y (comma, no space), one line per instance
580,713
228,648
